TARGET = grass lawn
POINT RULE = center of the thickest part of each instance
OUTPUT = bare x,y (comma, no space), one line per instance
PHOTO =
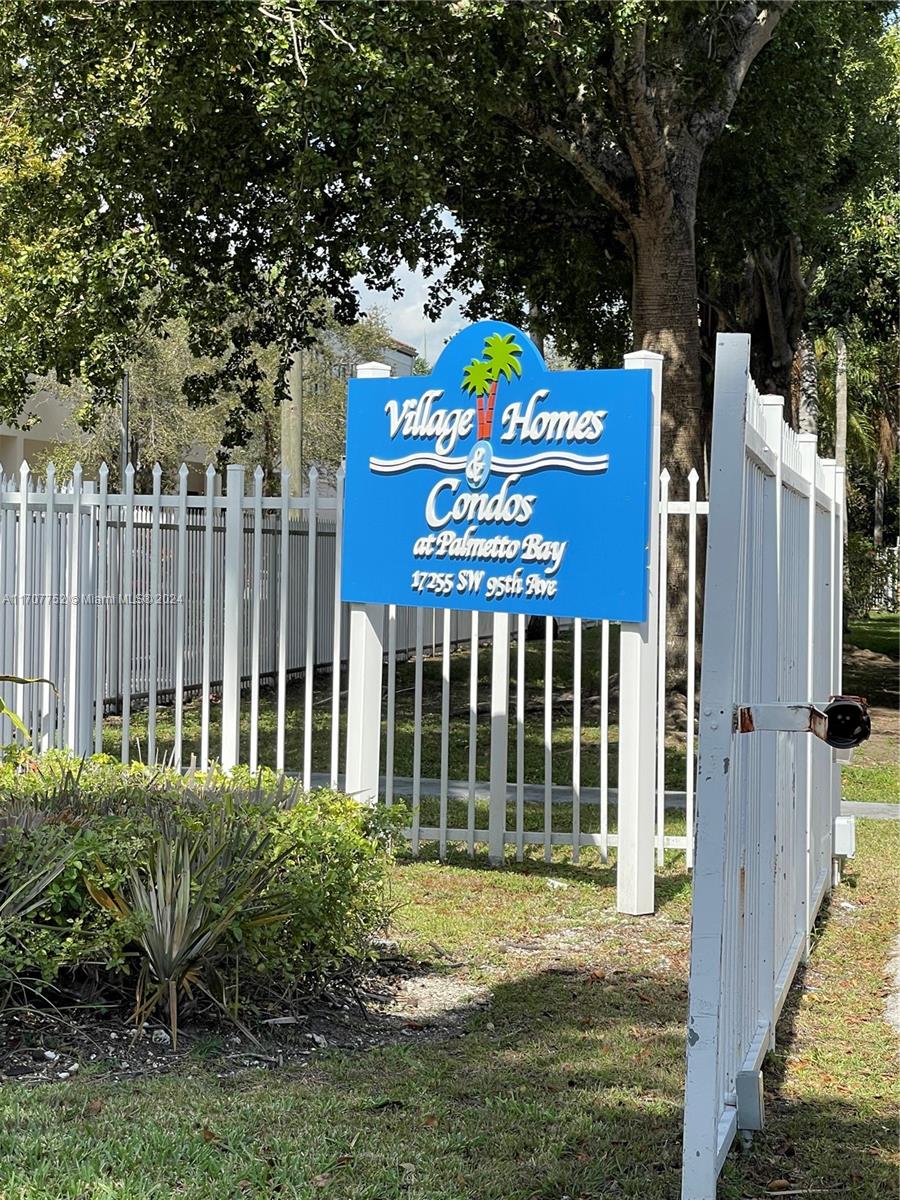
879,632
568,1084
458,741
872,669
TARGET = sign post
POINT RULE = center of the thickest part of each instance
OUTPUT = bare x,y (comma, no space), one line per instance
638,648
364,676
499,738
496,485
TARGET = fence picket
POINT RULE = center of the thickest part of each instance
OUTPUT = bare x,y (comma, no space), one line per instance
21,591
255,618
153,670
180,615
102,576
74,587
807,443
336,638
576,742
664,480
690,772
445,728
520,738
49,713
604,741
283,582
391,704
548,739
417,730
207,617
312,518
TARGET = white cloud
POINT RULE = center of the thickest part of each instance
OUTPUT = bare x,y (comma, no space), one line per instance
406,316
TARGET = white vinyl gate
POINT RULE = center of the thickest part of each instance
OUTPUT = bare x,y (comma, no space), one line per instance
766,801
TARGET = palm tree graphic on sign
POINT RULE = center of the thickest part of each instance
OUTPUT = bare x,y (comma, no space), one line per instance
481,376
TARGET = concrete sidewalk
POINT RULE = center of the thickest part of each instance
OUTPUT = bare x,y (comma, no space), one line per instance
562,794
877,812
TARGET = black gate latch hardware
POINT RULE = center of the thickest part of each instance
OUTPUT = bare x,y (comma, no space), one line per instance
843,722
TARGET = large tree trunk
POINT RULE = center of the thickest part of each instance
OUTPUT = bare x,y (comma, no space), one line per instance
664,316
664,313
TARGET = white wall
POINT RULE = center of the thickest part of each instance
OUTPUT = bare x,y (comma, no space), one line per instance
52,413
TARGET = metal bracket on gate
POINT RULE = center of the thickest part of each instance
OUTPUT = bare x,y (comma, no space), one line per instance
843,722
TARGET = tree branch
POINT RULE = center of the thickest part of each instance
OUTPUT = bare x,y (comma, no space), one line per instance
767,269
717,306
631,97
750,27
603,168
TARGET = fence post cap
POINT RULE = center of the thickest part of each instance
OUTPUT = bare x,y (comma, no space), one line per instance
373,370
234,477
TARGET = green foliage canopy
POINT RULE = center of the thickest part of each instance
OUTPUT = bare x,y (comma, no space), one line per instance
236,162
239,163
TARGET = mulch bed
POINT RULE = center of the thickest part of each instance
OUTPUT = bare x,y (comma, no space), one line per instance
395,1000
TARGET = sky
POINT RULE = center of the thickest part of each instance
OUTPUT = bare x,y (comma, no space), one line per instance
406,316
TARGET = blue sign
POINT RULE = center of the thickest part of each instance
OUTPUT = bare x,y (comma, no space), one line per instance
497,485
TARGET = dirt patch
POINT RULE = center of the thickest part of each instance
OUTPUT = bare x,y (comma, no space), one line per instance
398,1001
881,748
875,676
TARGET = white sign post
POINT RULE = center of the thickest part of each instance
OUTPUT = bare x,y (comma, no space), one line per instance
637,702
364,677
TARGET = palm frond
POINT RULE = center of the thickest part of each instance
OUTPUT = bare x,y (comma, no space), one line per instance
6,711
29,865
502,351
476,377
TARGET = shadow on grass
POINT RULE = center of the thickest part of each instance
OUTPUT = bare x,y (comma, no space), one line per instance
568,1084
672,883
571,1085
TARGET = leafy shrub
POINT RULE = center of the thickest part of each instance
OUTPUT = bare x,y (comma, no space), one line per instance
330,854
187,884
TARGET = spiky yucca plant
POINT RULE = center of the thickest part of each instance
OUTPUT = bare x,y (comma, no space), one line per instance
185,899
28,865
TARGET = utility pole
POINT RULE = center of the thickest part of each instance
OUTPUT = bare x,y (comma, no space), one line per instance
840,406
292,423
124,430
536,327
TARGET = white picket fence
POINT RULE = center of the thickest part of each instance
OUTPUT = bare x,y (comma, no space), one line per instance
887,592
767,801
206,627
